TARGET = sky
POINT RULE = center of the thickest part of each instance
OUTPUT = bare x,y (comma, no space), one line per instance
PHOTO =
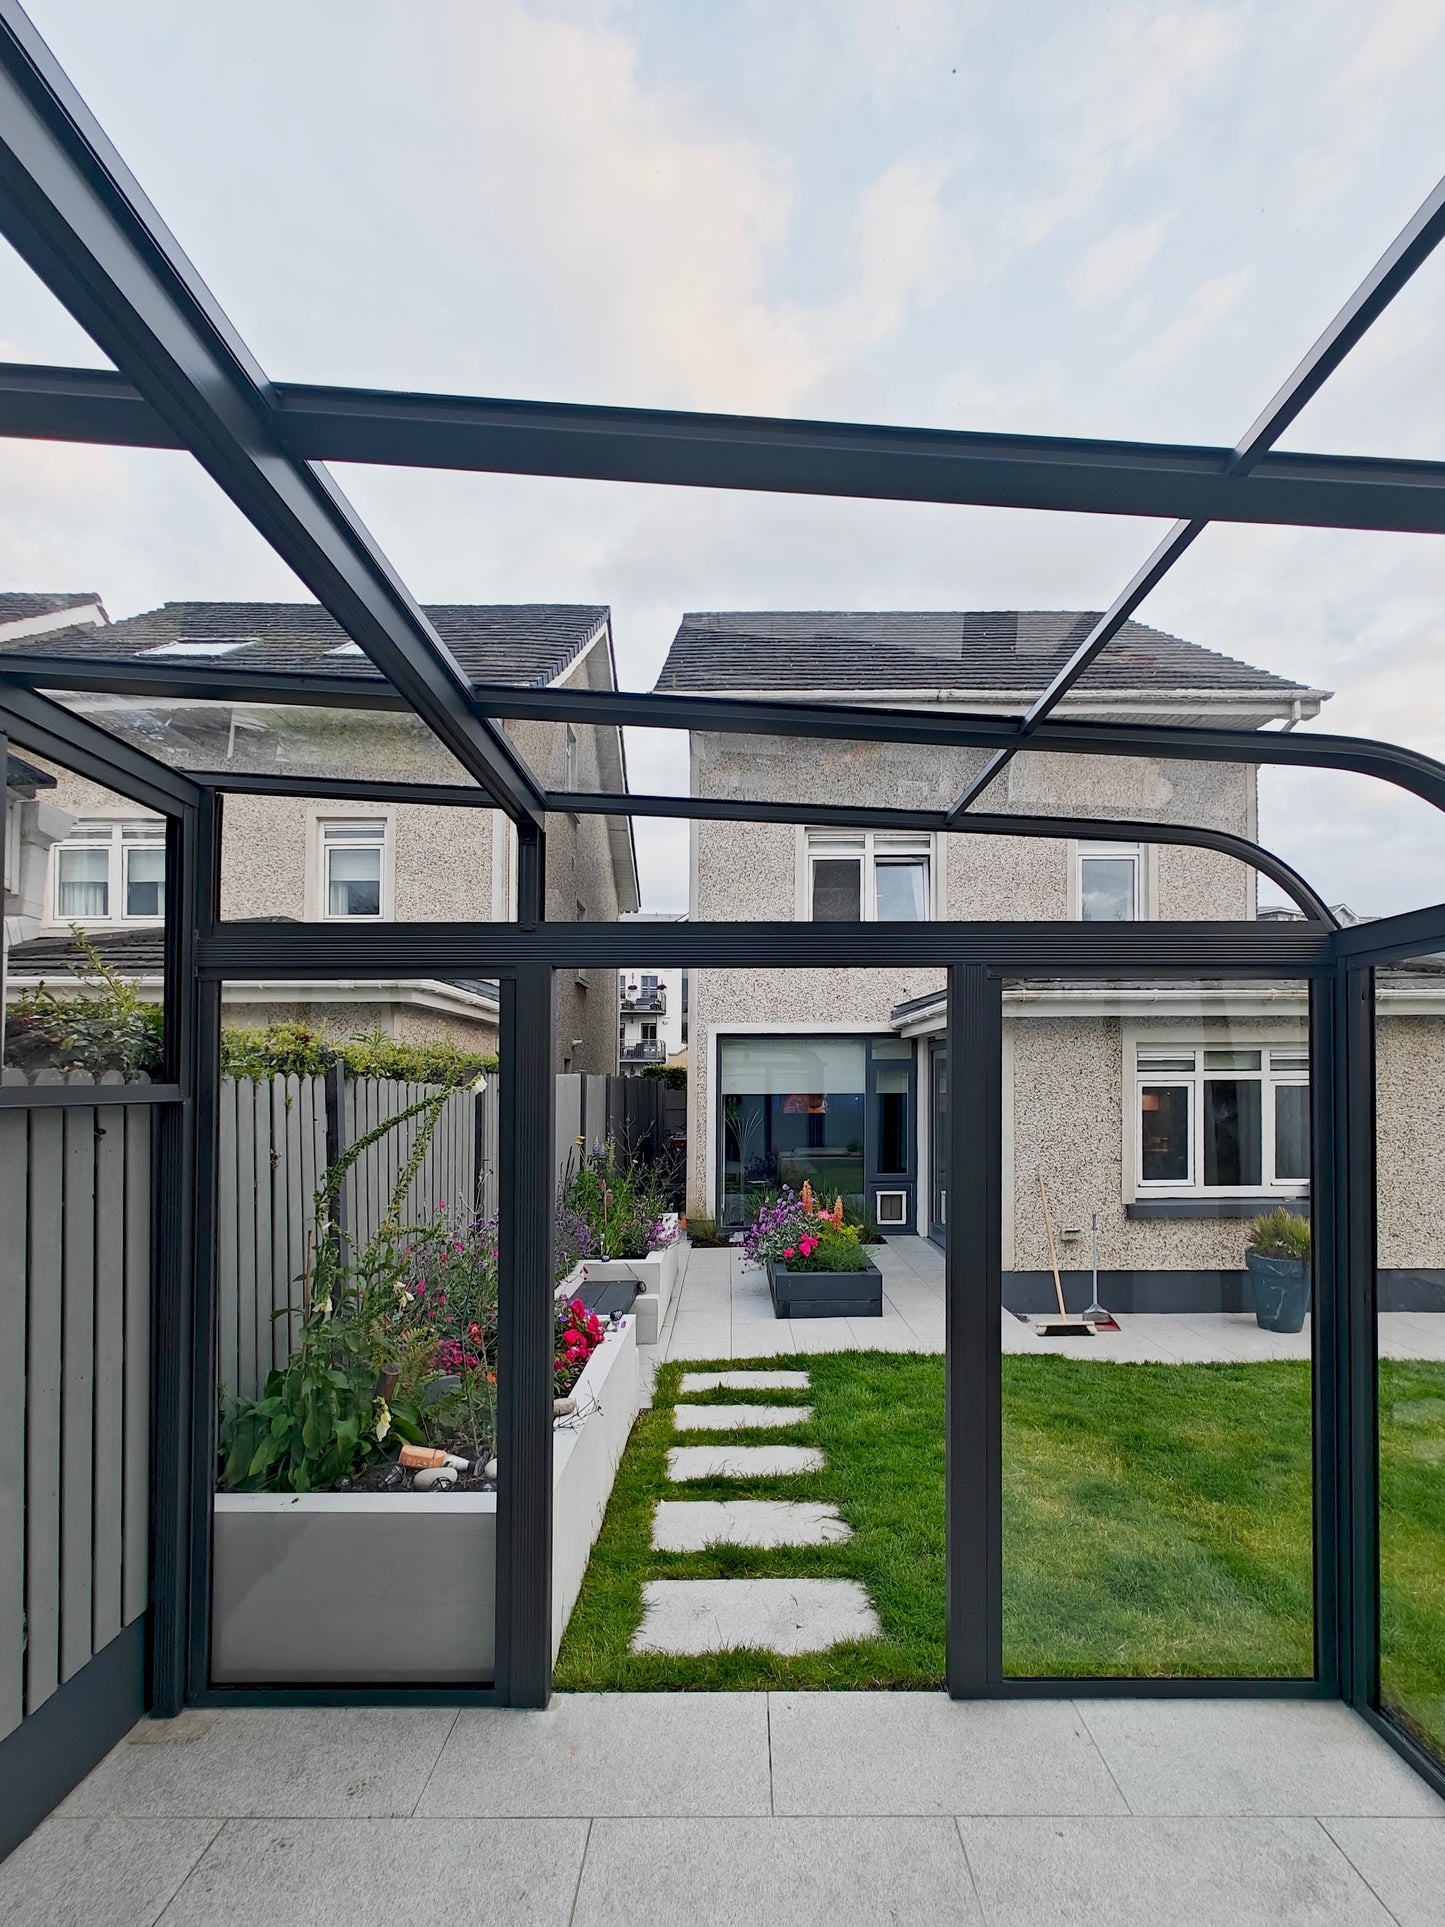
1077,218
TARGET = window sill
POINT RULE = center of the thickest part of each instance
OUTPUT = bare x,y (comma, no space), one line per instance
1229,1207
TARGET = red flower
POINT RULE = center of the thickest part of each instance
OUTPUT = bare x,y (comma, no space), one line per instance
788,1251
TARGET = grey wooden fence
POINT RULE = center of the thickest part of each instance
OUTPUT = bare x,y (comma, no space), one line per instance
75,1300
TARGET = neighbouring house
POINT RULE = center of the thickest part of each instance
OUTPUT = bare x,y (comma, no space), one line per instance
93,859
1172,1112
651,1011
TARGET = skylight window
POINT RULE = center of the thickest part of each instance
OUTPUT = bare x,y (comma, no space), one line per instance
184,648
347,649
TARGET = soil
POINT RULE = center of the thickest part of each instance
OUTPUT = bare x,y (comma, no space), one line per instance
375,1477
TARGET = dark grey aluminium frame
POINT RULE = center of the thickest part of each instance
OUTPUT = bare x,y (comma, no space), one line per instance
184,380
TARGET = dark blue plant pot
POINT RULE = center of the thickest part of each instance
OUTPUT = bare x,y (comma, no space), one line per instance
826,1294
1281,1288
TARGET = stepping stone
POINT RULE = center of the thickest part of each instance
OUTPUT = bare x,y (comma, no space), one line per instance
691,1525
738,1418
740,1461
778,1615
745,1381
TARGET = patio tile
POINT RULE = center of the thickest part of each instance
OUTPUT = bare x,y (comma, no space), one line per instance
121,1872
744,1382
625,1754
739,1418
1403,1860
273,1761
921,1753
338,1873
1134,1872
775,1615
1277,1757
758,1873
683,1525
741,1461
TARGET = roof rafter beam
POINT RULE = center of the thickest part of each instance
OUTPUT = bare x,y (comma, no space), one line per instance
74,212
1414,244
483,435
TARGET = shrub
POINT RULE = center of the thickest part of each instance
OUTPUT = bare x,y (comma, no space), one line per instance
826,1247
1280,1234
110,1028
674,1076
622,1205
300,1050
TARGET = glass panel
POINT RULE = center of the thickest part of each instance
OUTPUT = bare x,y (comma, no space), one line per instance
1410,1340
1157,1433
892,1085
1231,1060
353,883
793,1110
1292,1132
902,890
837,889
85,935
145,882
1231,1131
1164,1109
380,1280
1107,889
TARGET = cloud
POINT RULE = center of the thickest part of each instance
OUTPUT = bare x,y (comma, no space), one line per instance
1212,302
1113,265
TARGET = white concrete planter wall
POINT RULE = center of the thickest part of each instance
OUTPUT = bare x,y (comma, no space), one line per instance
656,1273
376,1587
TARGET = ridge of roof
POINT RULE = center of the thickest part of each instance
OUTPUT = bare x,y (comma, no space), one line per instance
981,651
17,604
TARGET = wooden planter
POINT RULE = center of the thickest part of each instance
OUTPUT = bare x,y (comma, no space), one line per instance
826,1294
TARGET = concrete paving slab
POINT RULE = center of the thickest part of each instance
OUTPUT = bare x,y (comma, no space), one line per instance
738,1418
1252,1757
921,1753
1137,1872
264,1760
776,1615
741,1461
121,1872
1403,1860
616,1753
760,1873
744,1382
691,1525
338,1873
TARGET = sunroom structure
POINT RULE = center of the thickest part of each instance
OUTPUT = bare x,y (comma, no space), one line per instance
108,1562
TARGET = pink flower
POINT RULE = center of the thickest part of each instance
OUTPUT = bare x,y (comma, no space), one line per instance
788,1251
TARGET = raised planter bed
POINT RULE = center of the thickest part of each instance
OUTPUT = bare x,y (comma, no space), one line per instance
380,1587
656,1275
826,1294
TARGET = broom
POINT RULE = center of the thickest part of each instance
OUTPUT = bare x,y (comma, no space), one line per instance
1101,1320
1063,1326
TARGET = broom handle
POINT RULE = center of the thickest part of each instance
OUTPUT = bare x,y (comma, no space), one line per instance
1053,1254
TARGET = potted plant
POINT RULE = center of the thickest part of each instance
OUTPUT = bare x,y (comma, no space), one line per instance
816,1264
1278,1261
615,1215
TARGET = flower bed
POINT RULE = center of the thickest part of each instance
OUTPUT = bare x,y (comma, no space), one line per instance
816,1264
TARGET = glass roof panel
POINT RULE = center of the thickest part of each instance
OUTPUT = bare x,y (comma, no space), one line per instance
1056,220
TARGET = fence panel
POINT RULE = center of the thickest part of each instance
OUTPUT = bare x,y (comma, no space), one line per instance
75,1296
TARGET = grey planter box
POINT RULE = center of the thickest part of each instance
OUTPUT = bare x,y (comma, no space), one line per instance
1281,1288
377,1588
826,1294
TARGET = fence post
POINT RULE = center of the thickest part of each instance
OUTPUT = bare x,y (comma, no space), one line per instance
336,1136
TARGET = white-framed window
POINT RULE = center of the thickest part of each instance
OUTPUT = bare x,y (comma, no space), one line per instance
866,876
1221,1118
1109,882
110,872
353,869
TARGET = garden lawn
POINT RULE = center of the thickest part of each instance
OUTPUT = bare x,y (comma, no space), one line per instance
1412,1545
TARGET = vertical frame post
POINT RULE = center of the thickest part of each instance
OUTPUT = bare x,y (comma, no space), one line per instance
1359,1507
4,854
1329,1327
973,1481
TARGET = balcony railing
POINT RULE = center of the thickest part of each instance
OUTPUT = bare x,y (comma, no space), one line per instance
645,1000
652,1052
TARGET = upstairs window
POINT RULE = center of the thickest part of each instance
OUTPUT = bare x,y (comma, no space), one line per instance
1108,882
110,873
353,868
1223,1120
867,877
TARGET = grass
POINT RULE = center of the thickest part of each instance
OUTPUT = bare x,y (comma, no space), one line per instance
1157,1522
1412,1545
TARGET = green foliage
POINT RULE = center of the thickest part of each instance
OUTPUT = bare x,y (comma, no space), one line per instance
361,1366
833,1248
300,1050
674,1076
1280,1234
622,1204
109,1028
703,1232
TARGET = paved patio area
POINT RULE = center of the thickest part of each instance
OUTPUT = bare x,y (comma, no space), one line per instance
744,1809
721,1309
